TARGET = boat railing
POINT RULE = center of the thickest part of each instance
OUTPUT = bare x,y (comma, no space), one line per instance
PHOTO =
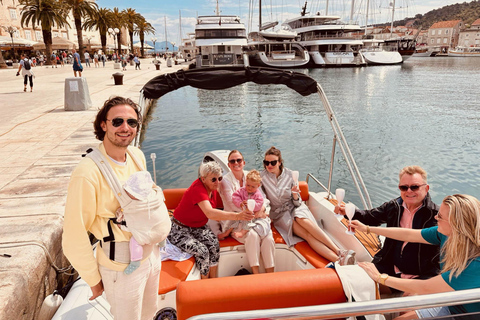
343,310
336,36
347,154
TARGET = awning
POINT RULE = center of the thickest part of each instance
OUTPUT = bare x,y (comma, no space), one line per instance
351,42
227,77
145,45
58,43
16,41
220,42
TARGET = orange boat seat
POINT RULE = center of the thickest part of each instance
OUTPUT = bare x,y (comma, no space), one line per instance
260,291
172,273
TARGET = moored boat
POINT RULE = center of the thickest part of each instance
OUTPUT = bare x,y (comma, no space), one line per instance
376,53
464,52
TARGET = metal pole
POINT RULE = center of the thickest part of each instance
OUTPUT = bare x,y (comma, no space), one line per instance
153,156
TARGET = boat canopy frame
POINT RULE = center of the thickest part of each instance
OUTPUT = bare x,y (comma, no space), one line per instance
218,78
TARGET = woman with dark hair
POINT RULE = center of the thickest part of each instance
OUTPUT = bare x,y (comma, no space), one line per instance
290,216
255,244
458,234
190,231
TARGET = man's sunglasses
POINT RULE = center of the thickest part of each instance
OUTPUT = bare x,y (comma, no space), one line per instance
117,122
232,161
267,163
215,179
413,187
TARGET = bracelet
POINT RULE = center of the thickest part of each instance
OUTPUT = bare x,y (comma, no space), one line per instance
368,230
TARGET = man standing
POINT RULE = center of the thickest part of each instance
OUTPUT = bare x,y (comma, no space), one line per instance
414,209
87,58
90,205
77,64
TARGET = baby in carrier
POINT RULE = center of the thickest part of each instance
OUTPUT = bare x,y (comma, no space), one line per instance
139,187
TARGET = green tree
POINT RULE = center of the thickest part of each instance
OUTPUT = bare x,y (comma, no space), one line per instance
101,21
118,21
132,18
143,28
79,9
44,13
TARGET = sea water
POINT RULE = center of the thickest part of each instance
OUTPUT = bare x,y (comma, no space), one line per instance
424,112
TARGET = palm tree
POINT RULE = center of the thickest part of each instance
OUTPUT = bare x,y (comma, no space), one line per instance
100,21
117,17
3,65
143,28
79,9
45,13
131,19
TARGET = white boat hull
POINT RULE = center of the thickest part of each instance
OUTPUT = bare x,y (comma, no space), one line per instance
382,57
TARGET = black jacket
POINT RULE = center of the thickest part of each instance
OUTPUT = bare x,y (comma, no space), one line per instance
417,259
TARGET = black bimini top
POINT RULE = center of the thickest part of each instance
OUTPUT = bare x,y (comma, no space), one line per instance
218,78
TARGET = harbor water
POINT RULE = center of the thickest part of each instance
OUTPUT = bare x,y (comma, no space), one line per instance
424,112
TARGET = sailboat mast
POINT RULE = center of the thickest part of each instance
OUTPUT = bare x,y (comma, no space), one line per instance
326,9
166,42
260,15
366,17
351,10
217,10
393,15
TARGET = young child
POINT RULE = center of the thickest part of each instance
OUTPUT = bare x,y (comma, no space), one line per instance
239,199
138,187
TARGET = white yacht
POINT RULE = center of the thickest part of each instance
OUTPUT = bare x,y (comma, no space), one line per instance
220,40
328,40
464,52
187,48
375,52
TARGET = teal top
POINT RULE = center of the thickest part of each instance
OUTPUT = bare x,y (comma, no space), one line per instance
468,279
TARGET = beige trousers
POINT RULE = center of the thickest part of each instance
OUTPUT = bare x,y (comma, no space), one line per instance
133,296
256,245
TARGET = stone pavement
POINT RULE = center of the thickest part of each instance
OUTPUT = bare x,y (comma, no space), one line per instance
40,144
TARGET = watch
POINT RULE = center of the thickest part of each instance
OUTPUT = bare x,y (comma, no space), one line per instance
382,278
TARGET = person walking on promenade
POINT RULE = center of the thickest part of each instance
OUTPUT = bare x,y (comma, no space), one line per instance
54,59
414,209
133,296
26,68
77,64
87,58
137,63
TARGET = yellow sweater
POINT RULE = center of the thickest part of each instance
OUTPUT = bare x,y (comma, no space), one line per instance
90,203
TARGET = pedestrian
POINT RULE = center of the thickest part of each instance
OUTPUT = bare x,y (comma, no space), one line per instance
131,296
104,59
77,64
95,59
54,59
87,58
27,73
137,63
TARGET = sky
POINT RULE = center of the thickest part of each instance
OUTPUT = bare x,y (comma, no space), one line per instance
160,11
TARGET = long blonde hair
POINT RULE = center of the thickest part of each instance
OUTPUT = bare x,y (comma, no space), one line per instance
463,244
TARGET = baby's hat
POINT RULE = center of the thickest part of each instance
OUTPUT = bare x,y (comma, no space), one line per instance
139,185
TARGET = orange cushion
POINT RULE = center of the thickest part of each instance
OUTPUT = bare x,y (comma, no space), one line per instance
173,197
260,291
316,260
172,273
304,190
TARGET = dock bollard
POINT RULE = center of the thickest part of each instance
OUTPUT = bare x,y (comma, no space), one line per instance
118,78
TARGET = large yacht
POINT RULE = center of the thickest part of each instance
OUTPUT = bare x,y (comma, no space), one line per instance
328,40
220,40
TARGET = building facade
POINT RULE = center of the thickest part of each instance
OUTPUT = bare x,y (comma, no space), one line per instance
445,34
470,37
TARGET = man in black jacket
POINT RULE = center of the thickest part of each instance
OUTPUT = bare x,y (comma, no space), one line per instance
413,209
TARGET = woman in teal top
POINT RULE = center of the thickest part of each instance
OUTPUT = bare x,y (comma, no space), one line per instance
458,234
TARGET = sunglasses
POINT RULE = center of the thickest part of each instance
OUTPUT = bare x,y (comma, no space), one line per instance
215,179
272,163
413,187
232,161
117,122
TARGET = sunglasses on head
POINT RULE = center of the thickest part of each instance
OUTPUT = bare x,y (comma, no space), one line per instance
272,163
215,179
412,187
117,122
232,161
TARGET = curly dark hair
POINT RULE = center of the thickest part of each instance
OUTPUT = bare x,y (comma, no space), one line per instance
102,114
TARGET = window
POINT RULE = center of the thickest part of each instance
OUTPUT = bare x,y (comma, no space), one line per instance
445,40
28,35
446,31
432,41
439,32
13,14
38,35
54,34
433,32
438,40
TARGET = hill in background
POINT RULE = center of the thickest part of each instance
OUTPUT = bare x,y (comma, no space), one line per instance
468,12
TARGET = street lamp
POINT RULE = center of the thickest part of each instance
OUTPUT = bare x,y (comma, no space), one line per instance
114,33
11,30
154,48
89,46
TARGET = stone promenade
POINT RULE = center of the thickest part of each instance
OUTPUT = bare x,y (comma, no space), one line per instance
40,144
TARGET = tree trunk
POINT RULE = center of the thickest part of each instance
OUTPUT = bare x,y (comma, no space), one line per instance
131,41
3,65
47,39
142,50
119,45
78,26
103,40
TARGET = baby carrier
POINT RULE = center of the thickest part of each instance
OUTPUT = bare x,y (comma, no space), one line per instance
147,220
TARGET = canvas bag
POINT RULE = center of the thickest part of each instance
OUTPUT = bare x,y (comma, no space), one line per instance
147,220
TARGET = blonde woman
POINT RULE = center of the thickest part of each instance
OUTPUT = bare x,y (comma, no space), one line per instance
458,234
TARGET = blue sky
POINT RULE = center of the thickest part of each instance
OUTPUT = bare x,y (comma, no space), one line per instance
156,12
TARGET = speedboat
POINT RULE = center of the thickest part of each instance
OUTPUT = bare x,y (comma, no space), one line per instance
300,279
376,53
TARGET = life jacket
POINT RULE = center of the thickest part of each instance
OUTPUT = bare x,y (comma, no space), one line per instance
147,220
